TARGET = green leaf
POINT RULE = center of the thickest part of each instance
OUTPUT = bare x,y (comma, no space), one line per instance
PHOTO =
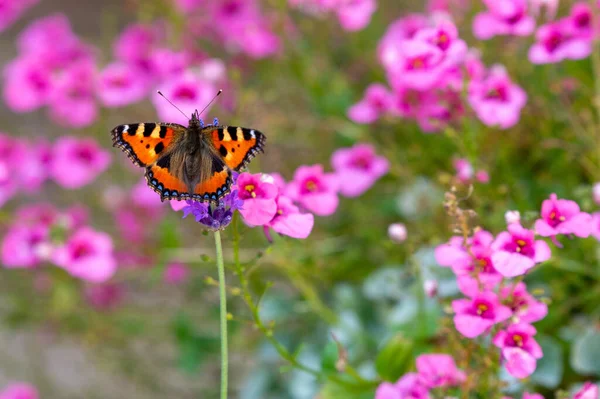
586,352
395,358
336,391
549,369
329,357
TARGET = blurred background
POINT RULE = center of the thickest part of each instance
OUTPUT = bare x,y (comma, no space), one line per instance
106,292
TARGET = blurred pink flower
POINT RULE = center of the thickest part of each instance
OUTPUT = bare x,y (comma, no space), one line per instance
135,44
419,67
517,251
87,255
389,49
397,232
22,245
176,273
475,316
520,350
596,225
527,395
105,296
11,10
512,217
554,43
354,15
525,307
447,6
482,176
19,390
410,385
386,390
560,216
596,193
77,162
587,391
579,21
464,170
188,91
259,199
314,189
35,165
358,168
376,102
496,100
145,199
503,17
257,40
27,84
120,84
289,220
430,287
444,35
438,370
166,63
550,8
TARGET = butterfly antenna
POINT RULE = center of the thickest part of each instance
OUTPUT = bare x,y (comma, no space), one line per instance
211,101
163,96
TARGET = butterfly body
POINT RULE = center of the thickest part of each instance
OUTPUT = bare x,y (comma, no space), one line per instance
194,162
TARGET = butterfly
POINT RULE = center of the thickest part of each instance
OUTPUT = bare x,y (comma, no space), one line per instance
194,162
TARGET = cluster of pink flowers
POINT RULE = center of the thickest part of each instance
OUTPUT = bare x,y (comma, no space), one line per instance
56,69
484,266
70,162
287,207
434,371
466,174
238,25
353,15
11,10
19,390
426,64
41,234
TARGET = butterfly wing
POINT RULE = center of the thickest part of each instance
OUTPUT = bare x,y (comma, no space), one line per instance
236,145
145,142
161,177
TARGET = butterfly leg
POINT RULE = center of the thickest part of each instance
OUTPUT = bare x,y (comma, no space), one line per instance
216,122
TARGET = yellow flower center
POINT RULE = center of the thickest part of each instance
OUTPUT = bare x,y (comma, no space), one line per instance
311,185
518,340
250,188
481,308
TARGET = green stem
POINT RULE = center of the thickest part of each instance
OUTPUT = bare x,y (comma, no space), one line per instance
223,315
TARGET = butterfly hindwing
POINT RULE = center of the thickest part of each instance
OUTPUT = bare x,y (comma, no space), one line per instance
145,142
236,145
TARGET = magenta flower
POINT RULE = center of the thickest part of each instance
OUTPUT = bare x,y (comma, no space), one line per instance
419,67
188,91
120,85
259,199
596,225
560,216
579,21
314,190
397,232
587,391
517,251
445,37
87,255
356,14
389,50
503,17
19,390
77,162
527,395
358,168
555,43
176,273
496,100
27,84
25,246
520,350
525,308
438,370
289,220
376,102
12,10
387,390
135,44
464,170
409,386
475,316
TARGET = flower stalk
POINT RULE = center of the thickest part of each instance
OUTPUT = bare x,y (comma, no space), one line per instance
223,314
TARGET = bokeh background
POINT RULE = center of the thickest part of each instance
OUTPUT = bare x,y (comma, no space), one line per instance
353,291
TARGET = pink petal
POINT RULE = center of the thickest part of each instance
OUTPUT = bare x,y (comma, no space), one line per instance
512,264
579,225
471,326
519,363
298,225
544,229
257,212
542,251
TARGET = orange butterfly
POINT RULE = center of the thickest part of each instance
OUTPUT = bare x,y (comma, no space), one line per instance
189,163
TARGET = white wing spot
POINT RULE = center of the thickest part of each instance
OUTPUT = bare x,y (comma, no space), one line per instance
252,134
125,128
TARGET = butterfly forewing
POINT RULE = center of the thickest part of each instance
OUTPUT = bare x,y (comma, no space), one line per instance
236,145
145,142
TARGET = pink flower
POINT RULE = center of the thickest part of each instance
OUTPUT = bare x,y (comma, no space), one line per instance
314,190
555,42
121,85
520,350
389,49
516,251
135,44
560,216
12,10
87,255
524,306
259,199
444,35
503,17
596,225
27,84
188,91
527,395
355,14
289,220
512,217
19,390
105,296
175,273
464,170
475,316
596,193
437,370
358,168
397,232
419,67
387,391
411,386
587,391
579,21
376,102
77,162
23,246
496,100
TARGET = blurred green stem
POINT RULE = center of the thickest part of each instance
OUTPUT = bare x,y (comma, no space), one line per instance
223,311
